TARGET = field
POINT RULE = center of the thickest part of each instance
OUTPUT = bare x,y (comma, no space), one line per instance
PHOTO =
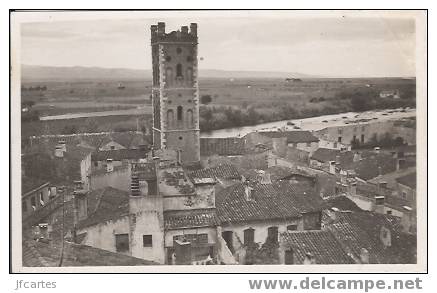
234,102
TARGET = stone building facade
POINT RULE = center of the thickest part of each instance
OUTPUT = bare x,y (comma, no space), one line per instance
175,92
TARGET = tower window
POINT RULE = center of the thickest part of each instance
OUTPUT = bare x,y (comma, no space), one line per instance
179,113
178,50
179,70
170,118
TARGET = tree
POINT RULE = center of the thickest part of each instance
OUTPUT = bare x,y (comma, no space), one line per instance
205,99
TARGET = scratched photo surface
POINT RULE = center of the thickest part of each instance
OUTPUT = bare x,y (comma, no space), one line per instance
153,141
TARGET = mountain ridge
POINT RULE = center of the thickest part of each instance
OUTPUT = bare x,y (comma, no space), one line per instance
38,72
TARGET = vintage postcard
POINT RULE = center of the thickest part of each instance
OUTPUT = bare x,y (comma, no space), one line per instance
219,141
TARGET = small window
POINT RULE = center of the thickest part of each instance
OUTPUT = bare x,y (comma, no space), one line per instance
179,70
96,164
179,50
168,58
24,206
340,131
272,234
189,58
147,240
339,139
179,113
362,138
404,194
249,236
112,147
122,242
389,212
291,227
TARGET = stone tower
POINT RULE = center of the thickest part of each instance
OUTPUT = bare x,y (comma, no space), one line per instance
175,91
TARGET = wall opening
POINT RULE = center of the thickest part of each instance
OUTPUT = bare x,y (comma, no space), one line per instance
179,113
179,70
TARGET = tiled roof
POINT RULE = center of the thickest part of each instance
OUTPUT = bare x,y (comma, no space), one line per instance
278,200
128,139
359,230
298,136
223,171
325,155
322,245
190,219
342,203
229,146
39,254
281,172
105,205
372,166
408,180
118,155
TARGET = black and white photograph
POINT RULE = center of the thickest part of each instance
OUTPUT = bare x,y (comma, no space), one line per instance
219,140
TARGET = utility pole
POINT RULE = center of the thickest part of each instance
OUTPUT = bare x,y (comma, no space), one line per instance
61,258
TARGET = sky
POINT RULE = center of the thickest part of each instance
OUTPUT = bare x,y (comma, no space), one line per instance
331,45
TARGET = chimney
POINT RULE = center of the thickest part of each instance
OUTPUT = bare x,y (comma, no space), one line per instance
161,28
382,184
193,29
357,157
364,256
109,165
379,204
400,164
377,149
59,152
385,236
309,259
265,178
63,145
332,167
337,159
353,188
248,192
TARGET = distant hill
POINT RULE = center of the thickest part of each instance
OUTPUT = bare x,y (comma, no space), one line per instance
44,73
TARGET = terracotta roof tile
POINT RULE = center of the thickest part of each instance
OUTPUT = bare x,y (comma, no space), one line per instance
229,146
106,204
278,200
190,219
224,171
322,245
359,230
408,180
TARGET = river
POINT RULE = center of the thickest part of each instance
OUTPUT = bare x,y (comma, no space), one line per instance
316,123
311,124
